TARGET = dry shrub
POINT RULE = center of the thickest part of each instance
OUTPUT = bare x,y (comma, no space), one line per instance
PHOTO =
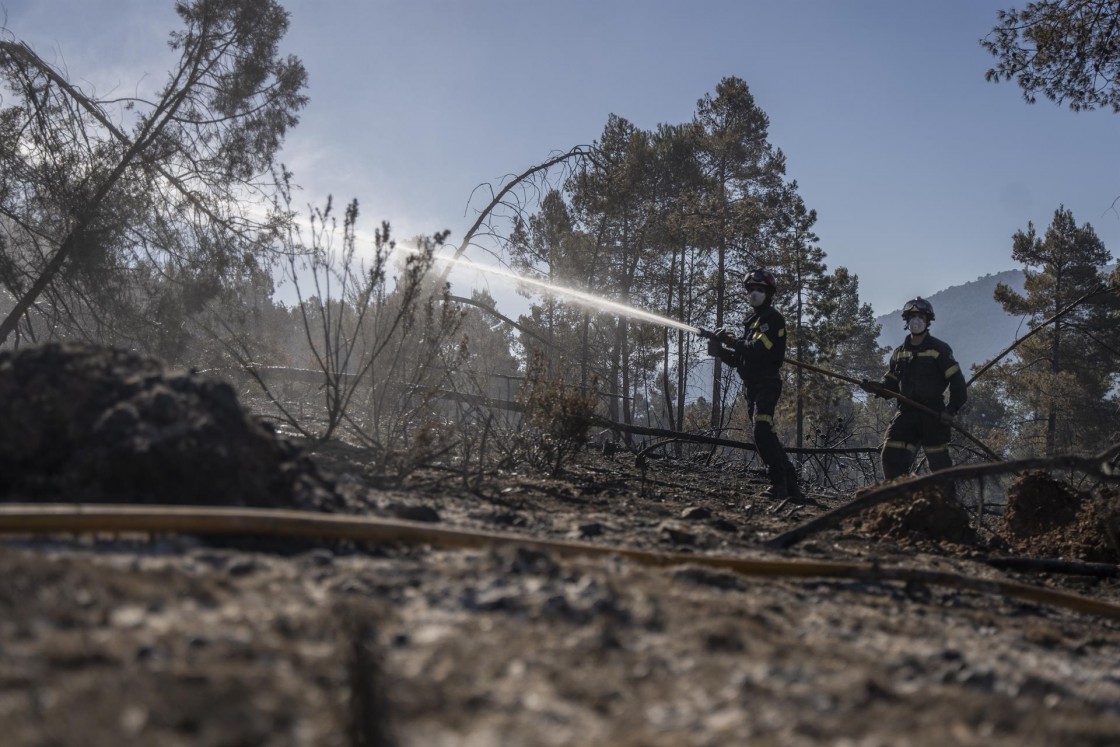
557,417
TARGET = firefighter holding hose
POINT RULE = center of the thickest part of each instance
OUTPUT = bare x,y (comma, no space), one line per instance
757,356
921,368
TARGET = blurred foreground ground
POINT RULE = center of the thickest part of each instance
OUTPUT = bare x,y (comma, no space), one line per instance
175,640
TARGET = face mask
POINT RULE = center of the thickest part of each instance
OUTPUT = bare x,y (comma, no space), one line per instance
916,325
756,298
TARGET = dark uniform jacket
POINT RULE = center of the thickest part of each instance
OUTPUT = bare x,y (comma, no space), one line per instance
760,351
921,373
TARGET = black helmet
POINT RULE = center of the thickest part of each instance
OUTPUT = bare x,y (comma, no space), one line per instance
760,276
918,306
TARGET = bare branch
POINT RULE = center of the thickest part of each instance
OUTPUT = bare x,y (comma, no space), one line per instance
1100,466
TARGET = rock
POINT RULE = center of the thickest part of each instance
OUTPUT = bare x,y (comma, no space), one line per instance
425,514
675,535
502,518
243,567
696,513
723,525
318,558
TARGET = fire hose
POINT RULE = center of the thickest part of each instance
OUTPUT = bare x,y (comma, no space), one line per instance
61,519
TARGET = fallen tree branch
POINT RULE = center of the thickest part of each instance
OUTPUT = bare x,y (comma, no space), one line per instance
1042,325
1100,466
640,430
1055,565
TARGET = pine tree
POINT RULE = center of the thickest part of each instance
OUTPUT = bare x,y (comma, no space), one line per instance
549,248
1062,376
98,200
799,263
612,197
742,170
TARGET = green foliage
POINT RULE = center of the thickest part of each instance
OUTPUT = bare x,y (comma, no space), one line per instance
668,221
557,417
91,203
1064,49
1060,378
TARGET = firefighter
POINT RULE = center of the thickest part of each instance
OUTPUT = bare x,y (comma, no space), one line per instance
757,356
920,369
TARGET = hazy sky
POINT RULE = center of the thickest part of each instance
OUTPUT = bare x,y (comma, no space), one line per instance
919,170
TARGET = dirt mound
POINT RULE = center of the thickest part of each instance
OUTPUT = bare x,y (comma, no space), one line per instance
87,424
1037,503
927,516
1046,518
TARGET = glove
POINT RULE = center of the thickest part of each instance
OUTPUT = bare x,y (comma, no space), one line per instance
714,347
869,386
724,335
946,417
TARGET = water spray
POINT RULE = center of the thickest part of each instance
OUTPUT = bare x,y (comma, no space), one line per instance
599,303
583,298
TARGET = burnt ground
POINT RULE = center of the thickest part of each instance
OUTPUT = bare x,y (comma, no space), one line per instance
182,640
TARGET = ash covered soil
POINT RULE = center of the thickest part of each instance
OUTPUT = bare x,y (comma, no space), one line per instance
182,640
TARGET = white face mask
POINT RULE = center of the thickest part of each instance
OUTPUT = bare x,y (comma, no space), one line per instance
756,298
916,325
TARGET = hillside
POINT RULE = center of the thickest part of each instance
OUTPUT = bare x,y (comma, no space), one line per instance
968,318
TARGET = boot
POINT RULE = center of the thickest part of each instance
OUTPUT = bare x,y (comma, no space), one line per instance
792,486
776,492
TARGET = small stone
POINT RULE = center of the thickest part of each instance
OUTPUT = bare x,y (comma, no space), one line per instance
318,558
723,525
676,535
425,514
243,568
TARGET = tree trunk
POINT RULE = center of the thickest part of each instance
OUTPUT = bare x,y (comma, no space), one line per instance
585,352
1055,369
683,360
665,342
800,359
624,355
717,368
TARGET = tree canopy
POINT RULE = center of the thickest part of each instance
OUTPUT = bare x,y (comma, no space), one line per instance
1066,50
98,192
1063,377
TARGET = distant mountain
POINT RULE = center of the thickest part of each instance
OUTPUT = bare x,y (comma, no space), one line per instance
968,318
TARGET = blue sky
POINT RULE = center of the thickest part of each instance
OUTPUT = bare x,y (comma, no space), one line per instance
919,170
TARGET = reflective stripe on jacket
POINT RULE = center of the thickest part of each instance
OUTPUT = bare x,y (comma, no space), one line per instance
922,372
762,348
